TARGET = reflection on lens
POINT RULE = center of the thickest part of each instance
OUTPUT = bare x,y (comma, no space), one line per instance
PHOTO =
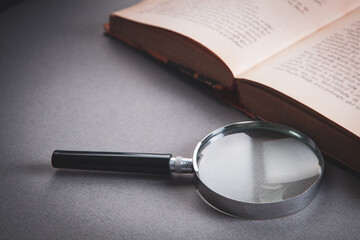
259,166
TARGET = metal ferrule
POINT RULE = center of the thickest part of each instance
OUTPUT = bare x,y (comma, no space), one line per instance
181,165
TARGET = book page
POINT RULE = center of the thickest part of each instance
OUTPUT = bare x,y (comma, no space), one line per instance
242,33
322,72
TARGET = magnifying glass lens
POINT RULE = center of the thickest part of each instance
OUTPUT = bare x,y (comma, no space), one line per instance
257,165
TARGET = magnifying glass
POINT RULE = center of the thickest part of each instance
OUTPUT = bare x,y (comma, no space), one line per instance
253,169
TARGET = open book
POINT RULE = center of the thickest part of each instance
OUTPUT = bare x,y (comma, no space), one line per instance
289,61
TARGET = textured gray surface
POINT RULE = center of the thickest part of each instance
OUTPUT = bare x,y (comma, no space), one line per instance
64,85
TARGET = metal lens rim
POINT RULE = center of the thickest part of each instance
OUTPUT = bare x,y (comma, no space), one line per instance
252,209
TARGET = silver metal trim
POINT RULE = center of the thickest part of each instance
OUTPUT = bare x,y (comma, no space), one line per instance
181,165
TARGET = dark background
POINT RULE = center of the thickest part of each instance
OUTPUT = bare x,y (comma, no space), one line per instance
66,85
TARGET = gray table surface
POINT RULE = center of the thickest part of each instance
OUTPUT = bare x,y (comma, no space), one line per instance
65,85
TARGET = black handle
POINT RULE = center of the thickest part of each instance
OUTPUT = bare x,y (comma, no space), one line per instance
112,161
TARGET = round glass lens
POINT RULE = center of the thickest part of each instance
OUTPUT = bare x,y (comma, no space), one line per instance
257,165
